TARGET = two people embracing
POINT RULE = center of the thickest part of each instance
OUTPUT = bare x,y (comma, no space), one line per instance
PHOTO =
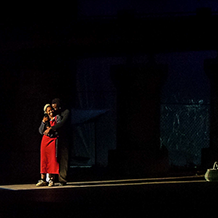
54,150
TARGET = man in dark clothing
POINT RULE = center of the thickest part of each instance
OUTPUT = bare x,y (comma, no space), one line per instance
63,141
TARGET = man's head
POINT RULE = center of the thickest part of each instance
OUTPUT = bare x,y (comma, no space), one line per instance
56,104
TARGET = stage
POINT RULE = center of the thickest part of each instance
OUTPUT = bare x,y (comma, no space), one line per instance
169,196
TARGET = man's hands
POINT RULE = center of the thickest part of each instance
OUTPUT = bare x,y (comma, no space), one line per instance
46,132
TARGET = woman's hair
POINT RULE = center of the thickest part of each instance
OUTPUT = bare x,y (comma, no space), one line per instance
45,108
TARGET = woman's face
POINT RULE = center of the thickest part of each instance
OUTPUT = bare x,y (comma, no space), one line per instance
50,111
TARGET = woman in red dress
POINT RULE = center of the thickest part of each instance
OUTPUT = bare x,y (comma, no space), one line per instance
48,154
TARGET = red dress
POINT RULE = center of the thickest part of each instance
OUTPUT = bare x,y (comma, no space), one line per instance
49,163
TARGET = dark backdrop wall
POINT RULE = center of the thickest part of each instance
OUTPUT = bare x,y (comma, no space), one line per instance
29,81
185,107
95,91
44,57
184,110
110,7
86,84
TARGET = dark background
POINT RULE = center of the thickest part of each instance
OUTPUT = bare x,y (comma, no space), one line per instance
151,65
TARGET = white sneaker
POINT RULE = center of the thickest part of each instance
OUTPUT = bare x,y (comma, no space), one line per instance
50,183
41,183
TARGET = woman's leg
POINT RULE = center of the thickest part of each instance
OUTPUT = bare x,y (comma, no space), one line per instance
43,177
42,182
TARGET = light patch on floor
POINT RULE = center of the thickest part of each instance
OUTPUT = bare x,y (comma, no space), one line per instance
108,183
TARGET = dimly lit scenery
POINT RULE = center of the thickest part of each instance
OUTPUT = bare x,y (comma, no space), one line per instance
109,108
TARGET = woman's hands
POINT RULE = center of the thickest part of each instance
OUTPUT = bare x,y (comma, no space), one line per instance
45,119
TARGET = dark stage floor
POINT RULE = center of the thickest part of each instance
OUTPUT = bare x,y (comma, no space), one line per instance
185,196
